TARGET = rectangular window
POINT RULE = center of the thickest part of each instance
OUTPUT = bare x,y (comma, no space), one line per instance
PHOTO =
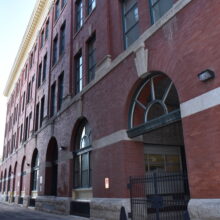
39,75
44,67
26,72
60,90
37,117
158,8
31,60
63,3
47,30
62,38
52,99
57,10
29,92
78,73
55,50
23,102
26,129
79,14
91,58
91,5
29,124
130,19
42,39
42,110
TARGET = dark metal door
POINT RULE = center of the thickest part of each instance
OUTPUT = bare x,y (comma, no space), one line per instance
159,196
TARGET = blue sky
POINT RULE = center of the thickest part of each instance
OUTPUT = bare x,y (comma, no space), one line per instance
14,18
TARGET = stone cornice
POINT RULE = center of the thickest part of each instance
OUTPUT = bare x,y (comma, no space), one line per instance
39,13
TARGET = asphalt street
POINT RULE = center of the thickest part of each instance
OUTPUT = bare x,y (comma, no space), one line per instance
14,212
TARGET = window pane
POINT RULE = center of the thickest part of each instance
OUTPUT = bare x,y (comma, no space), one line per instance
132,35
85,170
128,4
156,162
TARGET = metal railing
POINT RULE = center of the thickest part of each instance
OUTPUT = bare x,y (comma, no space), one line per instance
159,196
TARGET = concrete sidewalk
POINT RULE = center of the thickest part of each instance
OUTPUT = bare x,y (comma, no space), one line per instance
15,212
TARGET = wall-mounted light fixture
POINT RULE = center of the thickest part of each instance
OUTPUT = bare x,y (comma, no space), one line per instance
206,75
62,147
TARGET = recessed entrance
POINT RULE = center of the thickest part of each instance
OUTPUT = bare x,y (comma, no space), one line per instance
155,117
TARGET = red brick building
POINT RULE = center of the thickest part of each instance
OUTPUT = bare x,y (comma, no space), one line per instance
102,91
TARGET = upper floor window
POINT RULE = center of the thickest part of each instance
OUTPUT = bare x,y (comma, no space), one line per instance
44,67
39,75
57,9
158,8
47,30
52,99
82,162
91,5
55,50
42,110
63,3
130,19
60,90
79,14
42,39
91,58
78,73
37,116
62,37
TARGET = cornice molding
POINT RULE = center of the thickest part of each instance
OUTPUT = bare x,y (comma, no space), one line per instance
39,13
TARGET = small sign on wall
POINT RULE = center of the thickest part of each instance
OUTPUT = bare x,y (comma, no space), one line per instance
41,179
106,183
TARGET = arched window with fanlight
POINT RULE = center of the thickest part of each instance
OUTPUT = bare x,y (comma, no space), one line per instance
82,158
34,170
154,104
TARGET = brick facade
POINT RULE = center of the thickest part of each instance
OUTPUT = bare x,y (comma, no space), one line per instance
181,44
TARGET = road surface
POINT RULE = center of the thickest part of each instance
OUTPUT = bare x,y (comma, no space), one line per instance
14,212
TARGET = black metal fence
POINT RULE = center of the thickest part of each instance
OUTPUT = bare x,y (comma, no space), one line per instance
159,196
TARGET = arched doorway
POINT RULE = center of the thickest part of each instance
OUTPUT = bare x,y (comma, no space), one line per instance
14,182
22,182
9,183
51,168
155,117
34,173
4,181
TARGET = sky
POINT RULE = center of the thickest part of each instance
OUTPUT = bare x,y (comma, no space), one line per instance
14,18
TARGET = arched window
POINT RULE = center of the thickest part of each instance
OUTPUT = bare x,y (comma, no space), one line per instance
155,103
23,173
4,184
82,162
1,181
34,171
9,180
15,175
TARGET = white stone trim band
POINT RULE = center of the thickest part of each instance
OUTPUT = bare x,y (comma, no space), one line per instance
200,103
204,209
113,138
